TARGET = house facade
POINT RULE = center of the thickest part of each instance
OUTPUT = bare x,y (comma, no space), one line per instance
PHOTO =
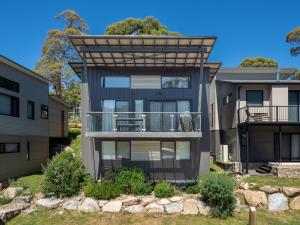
255,117
145,104
24,120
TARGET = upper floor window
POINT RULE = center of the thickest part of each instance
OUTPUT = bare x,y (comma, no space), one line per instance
30,110
254,98
9,147
175,82
44,112
115,82
9,85
9,105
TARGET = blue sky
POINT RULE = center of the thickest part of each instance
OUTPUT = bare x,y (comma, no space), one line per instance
244,28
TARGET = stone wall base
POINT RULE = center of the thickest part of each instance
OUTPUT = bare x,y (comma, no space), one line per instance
286,171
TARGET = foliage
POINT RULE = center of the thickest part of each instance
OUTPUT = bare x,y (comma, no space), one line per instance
272,181
164,190
74,131
104,190
135,26
33,183
192,188
296,75
132,181
3,200
57,51
217,191
76,145
63,175
71,93
293,38
258,62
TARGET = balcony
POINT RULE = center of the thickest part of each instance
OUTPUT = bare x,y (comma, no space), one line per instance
269,114
144,124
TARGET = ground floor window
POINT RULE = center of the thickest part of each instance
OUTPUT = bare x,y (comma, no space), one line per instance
146,150
9,147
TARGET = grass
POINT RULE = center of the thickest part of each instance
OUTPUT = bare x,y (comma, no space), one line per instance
52,217
272,181
33,183
75,145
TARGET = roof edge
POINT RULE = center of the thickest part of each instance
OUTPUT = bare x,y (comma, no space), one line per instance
59,99
287,70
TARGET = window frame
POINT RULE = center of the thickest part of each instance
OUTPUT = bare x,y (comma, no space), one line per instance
11,85
10,143
42,117
117,150
115,76
12,104
189,150
262,98
189,82
161,151
33,110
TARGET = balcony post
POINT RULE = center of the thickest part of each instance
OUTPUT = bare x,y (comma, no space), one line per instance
247,149
200,124
276,113
172,122
280,143
144,123
114,122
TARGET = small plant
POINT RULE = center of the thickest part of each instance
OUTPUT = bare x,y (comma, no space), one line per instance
217,191
104,190
132,181
63,175
4,200
192,188
164,190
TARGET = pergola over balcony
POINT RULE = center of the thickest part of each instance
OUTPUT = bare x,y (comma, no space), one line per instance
122,51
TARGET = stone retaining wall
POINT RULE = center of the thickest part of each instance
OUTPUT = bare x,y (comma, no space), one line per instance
287,171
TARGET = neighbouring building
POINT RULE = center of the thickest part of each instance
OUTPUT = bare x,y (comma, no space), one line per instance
28,118
255,119
145,104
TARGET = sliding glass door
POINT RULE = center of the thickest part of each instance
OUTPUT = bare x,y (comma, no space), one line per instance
290,147
294,102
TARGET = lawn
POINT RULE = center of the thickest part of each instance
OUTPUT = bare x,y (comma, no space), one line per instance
272,181
33,183
75,145
52,217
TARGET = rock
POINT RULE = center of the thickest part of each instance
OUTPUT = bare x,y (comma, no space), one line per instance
29,211
131,200
11,210
145,200
49,203
269,189
163,201
237,207
68,149
252,186
203,208
12,192
295,203
291,191
154,208
60,212
278,202
256,198
112,206
101,203
3,185
244,186
22,199
174,207
239,193
190,206
189,196
39,195
135,209
175,199
71,204
89,205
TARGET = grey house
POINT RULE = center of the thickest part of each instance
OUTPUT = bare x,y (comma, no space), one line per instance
24,120
145,104
256,117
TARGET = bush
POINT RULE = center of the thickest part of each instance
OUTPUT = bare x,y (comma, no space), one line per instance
217,191
192,188
74,131
3,200
132,181
63,175
164,190
104,190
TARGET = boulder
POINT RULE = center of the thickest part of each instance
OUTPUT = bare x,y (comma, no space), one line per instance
135,209
145,200
278,202
291,191
39,195
269,189
256,198
295,203
49,203
244,186
11,210
175,199
29,211
190,206
101,203
89,205
239,193
131,200
174,207
22,199
71,204
12,192
112,206
237,207
163,201
154,208
3,185
203,208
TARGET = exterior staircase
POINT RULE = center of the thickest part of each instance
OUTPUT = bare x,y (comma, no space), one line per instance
264,170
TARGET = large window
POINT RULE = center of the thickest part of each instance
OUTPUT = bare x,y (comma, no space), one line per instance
30,110
175,82
168,149
9,147
254,98
183,150
44,112
108,149
9,85
115,82
123,150
9,105
115,150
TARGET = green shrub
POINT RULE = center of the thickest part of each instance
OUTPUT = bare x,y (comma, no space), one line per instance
132,181
217,191
104,190
192,188
164,190
4,200
74,131
63,175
